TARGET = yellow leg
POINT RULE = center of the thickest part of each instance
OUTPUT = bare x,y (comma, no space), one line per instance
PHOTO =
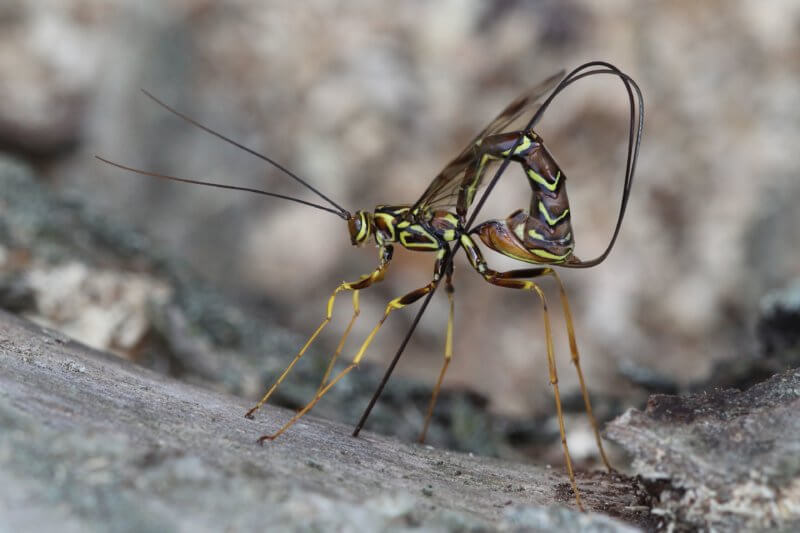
364,282
340,347
448,355
397,303
512,280
573,346
551,363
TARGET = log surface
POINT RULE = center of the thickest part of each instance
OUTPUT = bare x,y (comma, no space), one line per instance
92,442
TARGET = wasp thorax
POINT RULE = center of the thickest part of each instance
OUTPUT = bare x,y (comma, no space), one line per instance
360,227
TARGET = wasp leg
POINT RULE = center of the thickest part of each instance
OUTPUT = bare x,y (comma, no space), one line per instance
448,353
508,279
573,347
362,283
397,303
340,346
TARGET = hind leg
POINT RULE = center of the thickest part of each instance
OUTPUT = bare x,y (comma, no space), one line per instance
573,347
512,280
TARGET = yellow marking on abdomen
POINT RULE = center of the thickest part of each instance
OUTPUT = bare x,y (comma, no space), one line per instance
552,221
535,234
519,231
521,147
538,178
548,255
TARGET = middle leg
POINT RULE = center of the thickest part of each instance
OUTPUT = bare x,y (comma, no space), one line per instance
448,353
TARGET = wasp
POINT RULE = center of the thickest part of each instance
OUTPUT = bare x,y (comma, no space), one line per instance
443,221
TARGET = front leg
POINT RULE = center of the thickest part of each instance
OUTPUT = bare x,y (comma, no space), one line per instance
362,283
397,303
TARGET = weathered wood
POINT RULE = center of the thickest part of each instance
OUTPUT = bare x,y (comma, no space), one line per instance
89,439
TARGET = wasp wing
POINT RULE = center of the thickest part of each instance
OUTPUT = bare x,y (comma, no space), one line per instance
443,190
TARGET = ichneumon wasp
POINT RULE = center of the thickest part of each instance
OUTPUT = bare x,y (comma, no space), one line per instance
443,221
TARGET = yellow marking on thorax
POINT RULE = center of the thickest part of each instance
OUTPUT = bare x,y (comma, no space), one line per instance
449,235
433,243
389,221
552,221
451,218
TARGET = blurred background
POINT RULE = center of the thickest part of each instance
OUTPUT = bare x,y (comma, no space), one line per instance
368,101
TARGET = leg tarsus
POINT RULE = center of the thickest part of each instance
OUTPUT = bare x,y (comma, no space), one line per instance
249,414
551,362
573,345
308,406
362,283
397,303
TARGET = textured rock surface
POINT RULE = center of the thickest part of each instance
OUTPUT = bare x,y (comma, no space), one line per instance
370,102
728,460
89,442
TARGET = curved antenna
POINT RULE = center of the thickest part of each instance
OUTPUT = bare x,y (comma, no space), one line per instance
634,142
342,211
221,186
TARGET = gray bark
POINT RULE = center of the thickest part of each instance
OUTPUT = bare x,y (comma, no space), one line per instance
721,460
92,442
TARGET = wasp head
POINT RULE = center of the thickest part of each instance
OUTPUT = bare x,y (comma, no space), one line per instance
361,226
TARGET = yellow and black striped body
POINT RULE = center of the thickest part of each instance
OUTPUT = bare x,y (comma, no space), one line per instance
544,233
421,230
424,231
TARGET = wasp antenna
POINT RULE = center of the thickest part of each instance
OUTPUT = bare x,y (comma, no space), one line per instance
342,214
342,211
